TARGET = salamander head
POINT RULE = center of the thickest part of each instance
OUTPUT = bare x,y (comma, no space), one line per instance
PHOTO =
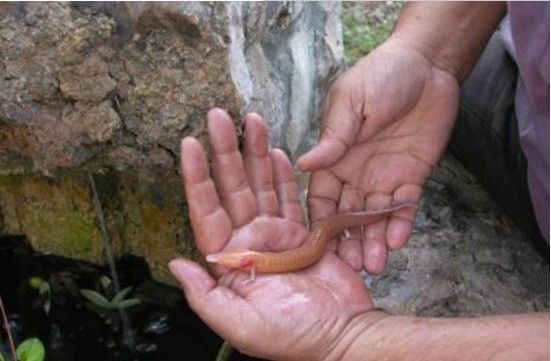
235,260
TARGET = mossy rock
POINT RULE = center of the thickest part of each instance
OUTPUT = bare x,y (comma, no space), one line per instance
144,217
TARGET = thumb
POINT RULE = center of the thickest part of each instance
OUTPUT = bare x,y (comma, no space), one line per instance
218,306
323,155
195,281
340,128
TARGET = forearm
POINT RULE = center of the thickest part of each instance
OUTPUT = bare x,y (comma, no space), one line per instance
451,34
511,337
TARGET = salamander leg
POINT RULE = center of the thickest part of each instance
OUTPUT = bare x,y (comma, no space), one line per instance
252,276
345,235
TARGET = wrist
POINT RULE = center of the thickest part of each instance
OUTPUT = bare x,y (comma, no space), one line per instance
438,57
397,46
508,337
452,35
356,338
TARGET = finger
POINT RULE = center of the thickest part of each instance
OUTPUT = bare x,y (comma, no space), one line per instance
349,246
374,242
218,306
323,194
341,125
286,187
258,165
401,222
228,169
277,234
210,222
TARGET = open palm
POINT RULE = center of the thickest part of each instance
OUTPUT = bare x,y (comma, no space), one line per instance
386,123
252,202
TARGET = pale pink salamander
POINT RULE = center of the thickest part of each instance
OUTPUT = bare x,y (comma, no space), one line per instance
310,251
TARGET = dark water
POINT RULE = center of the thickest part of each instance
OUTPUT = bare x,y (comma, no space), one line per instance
162,326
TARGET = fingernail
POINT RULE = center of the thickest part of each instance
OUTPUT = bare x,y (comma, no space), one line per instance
305,158
397,236
375,259
353,258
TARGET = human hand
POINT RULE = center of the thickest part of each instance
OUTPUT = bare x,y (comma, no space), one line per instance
387,121
252,202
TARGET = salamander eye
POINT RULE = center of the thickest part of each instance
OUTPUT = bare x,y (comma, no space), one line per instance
246,264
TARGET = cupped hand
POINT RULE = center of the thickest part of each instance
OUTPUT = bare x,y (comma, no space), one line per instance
386,123
251,201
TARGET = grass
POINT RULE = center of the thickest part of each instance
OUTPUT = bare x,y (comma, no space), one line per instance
366,25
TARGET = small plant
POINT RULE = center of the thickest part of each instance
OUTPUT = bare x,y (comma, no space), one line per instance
44,292
224,352
31,349
7,328
117,302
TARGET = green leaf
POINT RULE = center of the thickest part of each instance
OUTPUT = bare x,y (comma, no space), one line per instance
121,295
96,298
127,303
44,288
47,307
31,349
105,282
35,282
2,357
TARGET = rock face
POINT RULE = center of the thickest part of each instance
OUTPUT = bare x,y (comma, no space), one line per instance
465,256
111,88
118,85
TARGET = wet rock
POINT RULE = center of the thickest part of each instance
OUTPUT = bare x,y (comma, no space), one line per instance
154,293
158,324
145,347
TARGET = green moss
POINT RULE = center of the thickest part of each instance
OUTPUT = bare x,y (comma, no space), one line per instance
67,233
144,217
55,214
